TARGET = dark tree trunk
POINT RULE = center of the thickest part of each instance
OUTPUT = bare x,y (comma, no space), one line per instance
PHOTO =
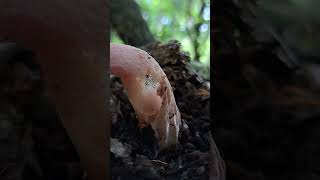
128,22
255,87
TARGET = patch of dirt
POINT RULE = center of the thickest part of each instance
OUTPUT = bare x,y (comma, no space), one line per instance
34,144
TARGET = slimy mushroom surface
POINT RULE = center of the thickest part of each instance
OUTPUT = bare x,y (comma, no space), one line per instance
149,92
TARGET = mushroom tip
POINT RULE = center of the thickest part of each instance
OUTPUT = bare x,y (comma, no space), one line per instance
149,92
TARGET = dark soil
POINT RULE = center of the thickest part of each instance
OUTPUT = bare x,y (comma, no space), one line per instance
34,144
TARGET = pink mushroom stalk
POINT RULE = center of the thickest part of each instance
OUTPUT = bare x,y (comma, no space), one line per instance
68,39
149,92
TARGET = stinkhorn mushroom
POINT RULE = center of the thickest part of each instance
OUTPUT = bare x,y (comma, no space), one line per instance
149,92
69,42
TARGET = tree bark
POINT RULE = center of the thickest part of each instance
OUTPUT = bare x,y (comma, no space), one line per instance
128,22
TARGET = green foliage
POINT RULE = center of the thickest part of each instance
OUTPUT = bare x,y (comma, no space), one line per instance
180,20
175,19
115,38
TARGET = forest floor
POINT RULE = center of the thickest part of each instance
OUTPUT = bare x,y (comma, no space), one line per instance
34,144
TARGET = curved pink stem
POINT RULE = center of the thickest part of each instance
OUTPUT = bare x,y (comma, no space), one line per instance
68,39
149,92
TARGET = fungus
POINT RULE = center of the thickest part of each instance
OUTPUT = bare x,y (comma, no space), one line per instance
68,41
149,92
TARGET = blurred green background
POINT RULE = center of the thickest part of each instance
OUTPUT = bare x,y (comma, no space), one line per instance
187,21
